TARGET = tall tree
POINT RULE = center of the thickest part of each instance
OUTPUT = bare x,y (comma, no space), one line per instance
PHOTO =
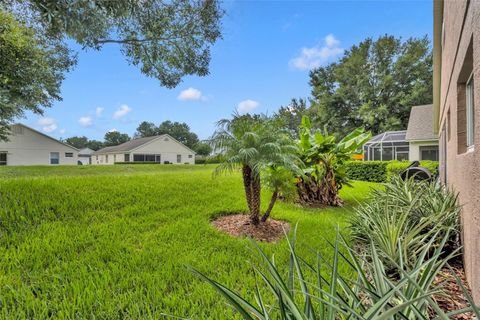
77,142
146,129
291,115
165,39
373,86
32,68
180,131
113,138
94,144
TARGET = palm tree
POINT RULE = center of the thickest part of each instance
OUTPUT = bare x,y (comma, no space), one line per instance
252,143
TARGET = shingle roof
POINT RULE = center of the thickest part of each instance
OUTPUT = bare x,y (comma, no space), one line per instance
420,124
127,146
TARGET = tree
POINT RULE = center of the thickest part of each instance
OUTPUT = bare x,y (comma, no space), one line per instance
167,40
113,138
252,145
179,131
324,160
291,116
373,86
203,149
94,144
146,129
77,142
31,71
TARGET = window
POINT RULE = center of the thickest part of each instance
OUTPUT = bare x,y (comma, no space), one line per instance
3,158
158,158
429,153
138,157
190,156
150,157
54,157
470,112
114,158
179,158
126,157
106,158
68,154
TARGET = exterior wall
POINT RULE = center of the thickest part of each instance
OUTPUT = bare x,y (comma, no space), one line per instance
32,148
414,151
461,167
168,149
84,159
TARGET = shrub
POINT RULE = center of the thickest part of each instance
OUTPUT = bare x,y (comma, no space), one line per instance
410,213
395,168
320,291
382,171
374,171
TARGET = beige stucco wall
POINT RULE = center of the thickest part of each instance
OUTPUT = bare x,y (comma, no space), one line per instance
32,148
414,151
462,168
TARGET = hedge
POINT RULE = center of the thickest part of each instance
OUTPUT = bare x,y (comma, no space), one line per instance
382,171
374,171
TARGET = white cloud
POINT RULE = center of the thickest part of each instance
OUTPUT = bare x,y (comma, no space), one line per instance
318,55
191,94
121,112
99,111
48,124
62,131
247,105
86,121
112,130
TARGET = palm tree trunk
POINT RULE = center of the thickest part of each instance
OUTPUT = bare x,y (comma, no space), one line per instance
247,184
255,211
270,206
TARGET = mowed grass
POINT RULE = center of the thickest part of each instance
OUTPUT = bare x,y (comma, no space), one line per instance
113,242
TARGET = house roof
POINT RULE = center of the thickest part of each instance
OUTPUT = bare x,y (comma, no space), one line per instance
420,124
47,136
136,143
85,152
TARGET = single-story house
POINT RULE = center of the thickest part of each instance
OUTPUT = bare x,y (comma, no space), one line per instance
155,149
418,142
27,146
85,156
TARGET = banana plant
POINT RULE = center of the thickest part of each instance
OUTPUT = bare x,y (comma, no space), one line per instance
324,159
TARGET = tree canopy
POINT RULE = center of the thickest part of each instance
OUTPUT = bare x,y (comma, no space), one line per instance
31,71
167,40
179,130
113,138
373,86
81,142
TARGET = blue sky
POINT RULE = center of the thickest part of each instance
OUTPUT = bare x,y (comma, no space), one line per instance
261,63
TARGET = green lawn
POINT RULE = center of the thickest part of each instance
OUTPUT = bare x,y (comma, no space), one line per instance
111,242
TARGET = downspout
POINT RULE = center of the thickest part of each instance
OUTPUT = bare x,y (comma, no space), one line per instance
437,61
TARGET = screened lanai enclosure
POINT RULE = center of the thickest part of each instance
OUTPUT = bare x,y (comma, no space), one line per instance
390,145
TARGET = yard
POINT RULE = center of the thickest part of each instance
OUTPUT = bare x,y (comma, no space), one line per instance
114,241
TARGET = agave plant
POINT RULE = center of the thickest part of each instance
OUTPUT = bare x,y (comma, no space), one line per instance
324,159
253,144
320,291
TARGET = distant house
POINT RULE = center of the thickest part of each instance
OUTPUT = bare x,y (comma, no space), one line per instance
27,146
85,156
418,142
156,149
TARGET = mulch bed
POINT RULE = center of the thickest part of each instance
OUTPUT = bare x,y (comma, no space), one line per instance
453,299
238,225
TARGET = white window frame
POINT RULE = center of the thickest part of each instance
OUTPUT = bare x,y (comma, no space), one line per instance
470,89
52,158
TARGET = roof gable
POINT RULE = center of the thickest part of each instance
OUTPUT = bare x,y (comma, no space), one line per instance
134,144
45,135
420,123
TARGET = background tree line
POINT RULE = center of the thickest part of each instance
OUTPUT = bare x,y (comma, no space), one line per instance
374,85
